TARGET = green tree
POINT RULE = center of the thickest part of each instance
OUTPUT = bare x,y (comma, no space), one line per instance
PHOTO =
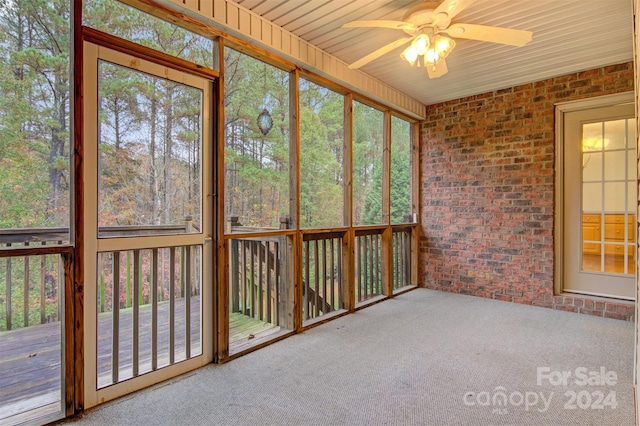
34,116
367,163
321,156
256,165
400,179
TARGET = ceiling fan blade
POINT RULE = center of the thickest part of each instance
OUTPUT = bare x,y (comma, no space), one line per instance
491,34
452,7
396,25
439,70
377,53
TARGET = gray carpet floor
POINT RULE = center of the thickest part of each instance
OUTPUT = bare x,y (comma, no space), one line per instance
422,358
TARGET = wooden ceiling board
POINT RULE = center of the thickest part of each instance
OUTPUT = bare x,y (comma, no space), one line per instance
568,36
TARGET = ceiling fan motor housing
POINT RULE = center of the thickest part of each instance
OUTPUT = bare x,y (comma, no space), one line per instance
422,17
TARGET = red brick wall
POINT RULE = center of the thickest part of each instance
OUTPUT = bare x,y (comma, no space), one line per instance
487,191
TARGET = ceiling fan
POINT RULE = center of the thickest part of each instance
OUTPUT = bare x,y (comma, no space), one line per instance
426,24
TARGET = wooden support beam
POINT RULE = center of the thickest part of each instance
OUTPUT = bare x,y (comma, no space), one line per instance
74,265
415,202
387,236
348,159
220,275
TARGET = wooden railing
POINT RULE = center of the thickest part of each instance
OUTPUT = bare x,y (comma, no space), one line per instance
146,309
255,279
34,279
30,285
401,257
256,286
368,264
321,274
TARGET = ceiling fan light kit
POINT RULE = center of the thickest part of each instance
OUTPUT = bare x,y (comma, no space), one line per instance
424,24
432,49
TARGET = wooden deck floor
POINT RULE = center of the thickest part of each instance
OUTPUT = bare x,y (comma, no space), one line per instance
30,371
30,358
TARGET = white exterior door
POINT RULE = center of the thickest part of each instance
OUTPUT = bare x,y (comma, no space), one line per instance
600,199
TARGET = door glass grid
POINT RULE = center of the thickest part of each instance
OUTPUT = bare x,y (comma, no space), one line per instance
608,196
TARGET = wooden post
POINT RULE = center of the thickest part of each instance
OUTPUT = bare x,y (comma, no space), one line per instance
74,264
387,270
415,205
294,246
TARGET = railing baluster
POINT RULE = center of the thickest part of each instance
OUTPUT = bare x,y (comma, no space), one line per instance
8,292
339,273
260,248
135,330
307,284
403,260
378,262
234,258
277,282
43,283
115,324
172,304
332,268
154,309
394,259
407,258
187,302
243,276
252,277
400,259
268,256
374,243
375,266
359,267
325,298
25,286
365,257
316,275
127,277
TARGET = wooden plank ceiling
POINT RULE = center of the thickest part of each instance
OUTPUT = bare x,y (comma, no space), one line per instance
568,36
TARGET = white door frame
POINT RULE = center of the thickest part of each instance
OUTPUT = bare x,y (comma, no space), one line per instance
560,110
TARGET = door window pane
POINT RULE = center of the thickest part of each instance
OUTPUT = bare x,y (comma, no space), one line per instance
592,137
615,134
614,196
149,154
608,197
592,166
614,165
